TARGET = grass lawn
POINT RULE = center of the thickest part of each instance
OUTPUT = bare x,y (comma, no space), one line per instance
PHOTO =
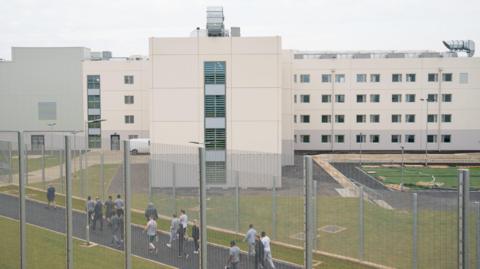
412,175
46,249
36,163
279,251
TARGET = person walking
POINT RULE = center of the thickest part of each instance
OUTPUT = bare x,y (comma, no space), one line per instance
109,210
151,211
151,229
267,250
90,209
259,252
183,221
119,204
117,229
233,256
250,239
174,225
195,236
98,214
51,196
182,230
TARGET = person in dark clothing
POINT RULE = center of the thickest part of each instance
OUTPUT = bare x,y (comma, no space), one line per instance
195,236
109,211
151,211
259,253
117,229
98,214
51,196
181,240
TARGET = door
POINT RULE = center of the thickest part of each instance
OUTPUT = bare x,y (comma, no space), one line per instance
37,142
115,142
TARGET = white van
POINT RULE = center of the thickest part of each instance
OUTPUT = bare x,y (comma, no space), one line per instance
140,146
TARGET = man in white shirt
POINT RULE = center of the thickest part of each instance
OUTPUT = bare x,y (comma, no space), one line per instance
250,239
151,229
268,251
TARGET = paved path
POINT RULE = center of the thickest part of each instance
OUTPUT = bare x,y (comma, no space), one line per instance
54,219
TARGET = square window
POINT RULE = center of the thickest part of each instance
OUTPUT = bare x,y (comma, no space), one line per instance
446,117
339,118
432,97
326,118
326,98
396,118
305,138
396,77
132,137
374,98
129,99
47,110
304,78
396,98
129,119
446,138
326,78
447,77
432,77
463,77
410,138
410,98
128,79
374,138
340,98
410,118
361,77
361,138
432,118
374,77
361,98
93,82
305,118
305,98
411,77
325,138
396,138
375,118
431,138
340,78
339,139
361,118
447,97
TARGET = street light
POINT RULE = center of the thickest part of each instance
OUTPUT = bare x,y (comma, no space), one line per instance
86,130
426,130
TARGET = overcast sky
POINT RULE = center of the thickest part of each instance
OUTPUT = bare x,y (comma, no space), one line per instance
123,26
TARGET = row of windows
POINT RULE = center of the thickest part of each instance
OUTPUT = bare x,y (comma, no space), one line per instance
397,77
375,118
93,81
374,138
374,98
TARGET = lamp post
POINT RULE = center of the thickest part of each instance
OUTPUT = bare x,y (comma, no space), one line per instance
426,130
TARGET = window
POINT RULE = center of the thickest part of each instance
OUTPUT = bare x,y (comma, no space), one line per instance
374,77
304,78
463,78
361,77
374,98
295,98
447,97
432,97
129,99
396,138
432,77
340,98
326,138
94,141
375,118
446,138
295,138
215,172
295,78
431,138
375,138
93,82
326,98
215,138
361,98
129,119
47,110
128,79
396,118
361,118
214,72
361,138
93,101
326,78
396,98
447,77
132,137
95,124
326,118
295,118
305,98
214,106
396,77
410,138
305,138
446,117
410,118
339,139
432,118
37,142
411,77
410,98
340,78
339,118
305,118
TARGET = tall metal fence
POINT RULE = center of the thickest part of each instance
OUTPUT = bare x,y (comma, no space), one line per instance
311,214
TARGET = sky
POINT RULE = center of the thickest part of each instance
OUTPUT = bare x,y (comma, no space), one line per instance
124,26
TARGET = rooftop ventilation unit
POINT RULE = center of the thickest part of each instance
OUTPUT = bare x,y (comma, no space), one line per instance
215,20
467,46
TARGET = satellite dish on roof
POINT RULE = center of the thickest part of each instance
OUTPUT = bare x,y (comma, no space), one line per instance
467,46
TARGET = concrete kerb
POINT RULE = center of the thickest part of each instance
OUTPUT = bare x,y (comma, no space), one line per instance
233,233
91,245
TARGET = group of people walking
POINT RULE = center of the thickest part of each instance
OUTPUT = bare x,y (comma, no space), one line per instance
114,210
258,247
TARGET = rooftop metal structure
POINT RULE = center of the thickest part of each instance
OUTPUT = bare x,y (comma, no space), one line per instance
467,46
372,54
215,18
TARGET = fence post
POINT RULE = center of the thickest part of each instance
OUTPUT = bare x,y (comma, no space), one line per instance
414,230
10,166
128,196
307,173
102,174
463,211
203,208
150,162
82,176
361,228
68,200
21,186
237,201
85,167
274,207
174,186
315,213
43,166
61,160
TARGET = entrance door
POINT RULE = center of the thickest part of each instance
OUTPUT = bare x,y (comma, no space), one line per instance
115,142
37,142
